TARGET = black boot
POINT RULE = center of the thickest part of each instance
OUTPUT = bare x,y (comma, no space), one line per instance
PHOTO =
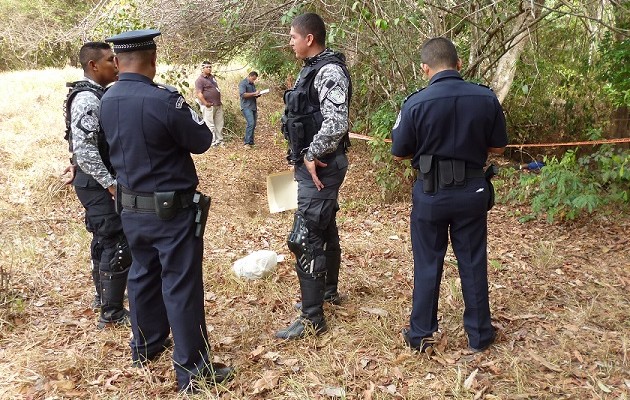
96,278
312,318
331,295
112,296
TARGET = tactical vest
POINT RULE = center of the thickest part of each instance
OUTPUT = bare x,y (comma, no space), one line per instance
74,89
302,116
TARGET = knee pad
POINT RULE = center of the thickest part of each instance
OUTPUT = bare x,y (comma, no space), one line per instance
299,245
121,261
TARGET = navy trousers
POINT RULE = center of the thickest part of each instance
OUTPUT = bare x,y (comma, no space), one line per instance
165,289
462,213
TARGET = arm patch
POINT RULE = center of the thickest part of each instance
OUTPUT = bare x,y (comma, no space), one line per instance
336,95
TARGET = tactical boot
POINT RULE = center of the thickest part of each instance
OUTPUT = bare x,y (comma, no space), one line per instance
96,278
331,295
311,321
112,296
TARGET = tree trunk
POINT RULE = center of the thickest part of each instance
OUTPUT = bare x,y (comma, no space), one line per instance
506,67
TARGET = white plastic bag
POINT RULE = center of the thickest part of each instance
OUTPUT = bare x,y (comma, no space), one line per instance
256,265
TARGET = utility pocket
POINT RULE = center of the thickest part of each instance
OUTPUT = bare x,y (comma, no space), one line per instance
165,206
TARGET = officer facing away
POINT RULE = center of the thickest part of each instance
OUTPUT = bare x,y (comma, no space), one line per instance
94,182
152,132
315,123
447,130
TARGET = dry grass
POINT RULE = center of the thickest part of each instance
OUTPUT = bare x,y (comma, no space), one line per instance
559,294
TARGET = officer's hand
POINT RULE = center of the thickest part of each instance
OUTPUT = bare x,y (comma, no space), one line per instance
311,166
70,172
112,190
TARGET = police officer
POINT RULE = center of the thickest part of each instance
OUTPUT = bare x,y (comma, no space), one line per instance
151,132
316,125
95,184
447,130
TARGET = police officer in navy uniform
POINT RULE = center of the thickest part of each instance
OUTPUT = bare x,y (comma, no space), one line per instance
447,130
152,132
94,181
316,125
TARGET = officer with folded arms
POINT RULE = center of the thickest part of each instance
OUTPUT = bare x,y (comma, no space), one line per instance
152,132
447,130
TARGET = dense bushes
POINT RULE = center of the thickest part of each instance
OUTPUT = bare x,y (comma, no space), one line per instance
572,185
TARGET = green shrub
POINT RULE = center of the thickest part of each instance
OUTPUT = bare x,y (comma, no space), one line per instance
390,176
568,187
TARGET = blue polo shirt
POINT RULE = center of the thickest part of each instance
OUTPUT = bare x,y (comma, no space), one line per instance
451,119
151,133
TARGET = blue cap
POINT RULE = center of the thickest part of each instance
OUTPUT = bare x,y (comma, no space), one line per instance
134,40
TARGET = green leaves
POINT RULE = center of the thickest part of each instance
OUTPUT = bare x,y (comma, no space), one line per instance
567,188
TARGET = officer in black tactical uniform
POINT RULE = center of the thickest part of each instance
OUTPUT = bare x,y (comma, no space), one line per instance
152,132
316,125
447,130
95,184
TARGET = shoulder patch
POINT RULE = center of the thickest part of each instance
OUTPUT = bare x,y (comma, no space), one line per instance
88,123
336,95
195,116
180,102
397,121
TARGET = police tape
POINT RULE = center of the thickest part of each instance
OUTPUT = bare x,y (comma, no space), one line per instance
584,143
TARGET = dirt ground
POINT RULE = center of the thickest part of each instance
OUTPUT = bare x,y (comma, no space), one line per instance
559,297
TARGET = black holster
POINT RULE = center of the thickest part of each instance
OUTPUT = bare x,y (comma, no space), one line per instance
490,172
428,173
202,202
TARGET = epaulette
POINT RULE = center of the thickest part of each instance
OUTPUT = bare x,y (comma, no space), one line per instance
170,88
417,91
482,85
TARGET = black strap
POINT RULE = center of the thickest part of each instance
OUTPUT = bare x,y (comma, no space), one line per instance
146,202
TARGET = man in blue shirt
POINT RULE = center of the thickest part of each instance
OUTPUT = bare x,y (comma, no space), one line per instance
152,132
248,94
447,130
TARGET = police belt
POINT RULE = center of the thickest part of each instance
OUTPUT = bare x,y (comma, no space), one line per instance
146,202
470,173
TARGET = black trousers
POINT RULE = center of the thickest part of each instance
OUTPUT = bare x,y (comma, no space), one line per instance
101,219
320,207
165,289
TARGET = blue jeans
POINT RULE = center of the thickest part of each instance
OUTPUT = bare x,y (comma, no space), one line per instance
250,116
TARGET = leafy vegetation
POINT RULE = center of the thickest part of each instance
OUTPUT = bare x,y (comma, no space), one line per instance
572,185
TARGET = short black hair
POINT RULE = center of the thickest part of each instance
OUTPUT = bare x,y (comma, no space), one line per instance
138,56
439,52
92,51
253,73
311,23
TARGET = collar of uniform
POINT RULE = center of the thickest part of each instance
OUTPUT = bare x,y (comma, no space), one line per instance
92,82
446,74
132,76
312,60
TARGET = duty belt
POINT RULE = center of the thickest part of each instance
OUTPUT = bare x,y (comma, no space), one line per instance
146,202
470,173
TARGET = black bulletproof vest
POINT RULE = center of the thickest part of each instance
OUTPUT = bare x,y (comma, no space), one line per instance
301,102
76,88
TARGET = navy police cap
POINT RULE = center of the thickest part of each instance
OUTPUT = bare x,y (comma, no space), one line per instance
134,40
